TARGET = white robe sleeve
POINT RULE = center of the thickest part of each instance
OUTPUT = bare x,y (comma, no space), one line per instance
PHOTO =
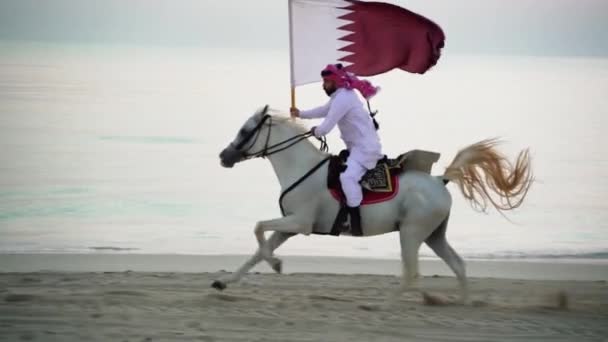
338,108
318,112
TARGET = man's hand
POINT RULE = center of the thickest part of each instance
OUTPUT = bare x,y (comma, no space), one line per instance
295,112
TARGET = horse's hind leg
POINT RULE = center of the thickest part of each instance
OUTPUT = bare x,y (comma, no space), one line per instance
439,244
409,237
273,242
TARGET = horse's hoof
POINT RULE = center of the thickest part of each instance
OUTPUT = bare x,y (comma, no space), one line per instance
278,267
218,285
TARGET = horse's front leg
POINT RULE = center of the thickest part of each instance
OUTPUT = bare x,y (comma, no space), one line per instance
289,224
273,242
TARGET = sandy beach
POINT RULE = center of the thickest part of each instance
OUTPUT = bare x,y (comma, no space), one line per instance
114,115
168,298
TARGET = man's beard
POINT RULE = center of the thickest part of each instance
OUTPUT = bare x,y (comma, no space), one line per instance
329,91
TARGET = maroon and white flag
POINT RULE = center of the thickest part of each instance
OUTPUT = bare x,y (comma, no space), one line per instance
368,38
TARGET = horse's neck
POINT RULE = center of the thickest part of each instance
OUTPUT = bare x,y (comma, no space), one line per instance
291,164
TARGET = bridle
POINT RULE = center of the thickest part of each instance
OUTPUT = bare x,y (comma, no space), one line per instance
252,138
269,150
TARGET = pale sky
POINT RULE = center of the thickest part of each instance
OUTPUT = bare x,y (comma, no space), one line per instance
530,27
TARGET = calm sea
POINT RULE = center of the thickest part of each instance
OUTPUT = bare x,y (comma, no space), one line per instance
109,149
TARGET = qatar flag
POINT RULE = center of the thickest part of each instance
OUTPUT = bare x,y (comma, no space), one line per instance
368,38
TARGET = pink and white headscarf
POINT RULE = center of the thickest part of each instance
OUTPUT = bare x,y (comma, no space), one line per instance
348,80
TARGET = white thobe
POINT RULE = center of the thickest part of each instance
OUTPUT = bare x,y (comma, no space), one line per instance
346,109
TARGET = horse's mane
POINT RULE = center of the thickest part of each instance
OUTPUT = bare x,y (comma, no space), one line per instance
282,118
285,119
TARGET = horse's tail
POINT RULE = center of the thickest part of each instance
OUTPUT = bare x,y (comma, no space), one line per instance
480,167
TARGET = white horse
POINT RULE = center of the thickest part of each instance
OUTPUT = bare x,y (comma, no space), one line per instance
419,212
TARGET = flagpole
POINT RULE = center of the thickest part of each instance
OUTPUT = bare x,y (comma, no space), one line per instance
293,87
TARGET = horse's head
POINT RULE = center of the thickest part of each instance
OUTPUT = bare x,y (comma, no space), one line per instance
246,141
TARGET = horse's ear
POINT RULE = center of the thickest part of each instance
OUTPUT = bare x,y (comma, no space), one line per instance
265,110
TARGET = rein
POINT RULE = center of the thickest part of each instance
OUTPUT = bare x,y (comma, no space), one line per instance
278,147
296,183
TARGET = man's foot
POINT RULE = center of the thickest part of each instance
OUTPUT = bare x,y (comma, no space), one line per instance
348,218
355,221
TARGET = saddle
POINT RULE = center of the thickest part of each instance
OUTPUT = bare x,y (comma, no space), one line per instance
379,184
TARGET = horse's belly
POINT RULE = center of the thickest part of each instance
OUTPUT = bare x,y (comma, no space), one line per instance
376,219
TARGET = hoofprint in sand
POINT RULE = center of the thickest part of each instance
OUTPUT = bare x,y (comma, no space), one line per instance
163,306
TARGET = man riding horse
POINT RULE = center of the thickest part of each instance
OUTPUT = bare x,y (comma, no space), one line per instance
347,109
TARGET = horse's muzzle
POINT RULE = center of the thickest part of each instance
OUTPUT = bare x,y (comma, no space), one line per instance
230,156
